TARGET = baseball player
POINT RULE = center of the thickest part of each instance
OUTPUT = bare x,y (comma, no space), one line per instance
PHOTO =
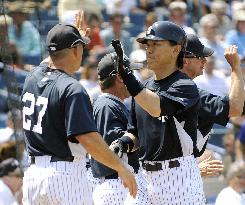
165,120
214,109
59,127
111,116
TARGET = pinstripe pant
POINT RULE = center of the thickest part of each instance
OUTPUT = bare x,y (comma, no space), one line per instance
93,182
110,192
106,191
56,183
170,186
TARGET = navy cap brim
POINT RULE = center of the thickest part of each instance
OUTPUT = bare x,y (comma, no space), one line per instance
149,37
207,52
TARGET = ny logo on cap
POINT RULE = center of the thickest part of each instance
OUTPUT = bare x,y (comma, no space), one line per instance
52,48
148,32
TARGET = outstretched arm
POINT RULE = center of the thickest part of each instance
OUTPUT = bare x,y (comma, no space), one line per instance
147,99
96,146
236,95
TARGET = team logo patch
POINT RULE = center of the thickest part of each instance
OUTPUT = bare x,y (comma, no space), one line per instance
52,48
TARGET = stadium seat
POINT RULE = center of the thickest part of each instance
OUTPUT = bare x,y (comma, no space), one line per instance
137,19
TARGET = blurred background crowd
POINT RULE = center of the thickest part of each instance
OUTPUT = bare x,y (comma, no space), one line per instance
23,29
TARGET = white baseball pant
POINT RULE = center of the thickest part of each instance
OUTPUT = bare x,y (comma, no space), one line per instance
111,191
170,186
56,183
93,182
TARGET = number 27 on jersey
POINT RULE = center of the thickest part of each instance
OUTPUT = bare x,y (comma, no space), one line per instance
29,110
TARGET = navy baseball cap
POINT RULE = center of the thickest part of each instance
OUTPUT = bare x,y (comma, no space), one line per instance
107,65
63,36
9,165
196,48
164,30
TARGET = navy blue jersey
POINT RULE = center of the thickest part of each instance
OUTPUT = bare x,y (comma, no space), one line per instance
213,109
111,116
158,137
56,108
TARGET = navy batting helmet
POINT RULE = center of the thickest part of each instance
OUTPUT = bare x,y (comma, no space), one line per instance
164,30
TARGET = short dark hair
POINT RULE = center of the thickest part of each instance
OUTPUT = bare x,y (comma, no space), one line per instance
107,82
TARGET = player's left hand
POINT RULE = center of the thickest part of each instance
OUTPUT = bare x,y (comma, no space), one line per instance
121,68
209,168
232,56
79,23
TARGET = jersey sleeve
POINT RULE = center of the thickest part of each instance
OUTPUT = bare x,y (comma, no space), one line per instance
214,108
113,123
78,112
181,96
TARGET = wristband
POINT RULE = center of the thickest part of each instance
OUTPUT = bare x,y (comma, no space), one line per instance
133,85
128,143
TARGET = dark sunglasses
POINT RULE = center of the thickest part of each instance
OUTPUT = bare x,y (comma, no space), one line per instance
189,54
198,57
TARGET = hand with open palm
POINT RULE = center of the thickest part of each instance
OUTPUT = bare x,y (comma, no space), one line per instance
79,23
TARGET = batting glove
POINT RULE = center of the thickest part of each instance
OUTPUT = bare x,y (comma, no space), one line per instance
118,147
122,145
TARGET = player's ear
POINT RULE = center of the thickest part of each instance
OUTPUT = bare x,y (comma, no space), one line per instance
177,48
76,51
185,61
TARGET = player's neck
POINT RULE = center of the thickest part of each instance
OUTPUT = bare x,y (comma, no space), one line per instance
164,72
67,67
163,69
186,71
115,92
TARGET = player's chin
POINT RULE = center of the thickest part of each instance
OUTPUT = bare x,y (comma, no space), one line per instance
150,61
200,72
151,64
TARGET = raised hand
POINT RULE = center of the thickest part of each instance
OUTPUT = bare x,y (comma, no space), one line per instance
79,23
232,56
122,65
119,51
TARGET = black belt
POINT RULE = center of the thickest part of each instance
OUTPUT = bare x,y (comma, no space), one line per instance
112,176
55,159
156,166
